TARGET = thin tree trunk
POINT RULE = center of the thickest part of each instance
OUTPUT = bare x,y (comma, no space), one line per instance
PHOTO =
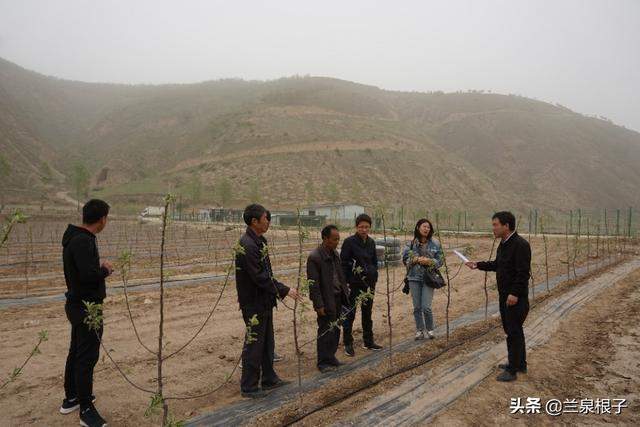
446,269
165,408
295,308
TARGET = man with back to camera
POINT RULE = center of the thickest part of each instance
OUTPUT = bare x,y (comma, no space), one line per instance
329,292
258,291
360,267
513,269
85,278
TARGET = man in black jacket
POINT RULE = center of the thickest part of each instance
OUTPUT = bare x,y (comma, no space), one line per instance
329,292
513,269
85,277
360,267
258,291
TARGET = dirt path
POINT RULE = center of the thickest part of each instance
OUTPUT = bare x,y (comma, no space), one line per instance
424,395
595,354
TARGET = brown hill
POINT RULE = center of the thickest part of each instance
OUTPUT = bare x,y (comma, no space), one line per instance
312,139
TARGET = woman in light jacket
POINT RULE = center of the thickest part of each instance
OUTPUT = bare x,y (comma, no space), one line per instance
422,253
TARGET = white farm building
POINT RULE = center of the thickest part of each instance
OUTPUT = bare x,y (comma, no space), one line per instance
342,213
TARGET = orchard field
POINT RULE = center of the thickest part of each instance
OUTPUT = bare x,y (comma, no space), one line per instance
203,331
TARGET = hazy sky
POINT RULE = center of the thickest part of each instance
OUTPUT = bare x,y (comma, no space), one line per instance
582,54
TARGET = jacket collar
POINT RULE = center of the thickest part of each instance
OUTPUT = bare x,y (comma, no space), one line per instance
416,243
360,241
510,237
325,253
74,230
255,237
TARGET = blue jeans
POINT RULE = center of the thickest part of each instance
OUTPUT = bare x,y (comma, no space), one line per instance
422,296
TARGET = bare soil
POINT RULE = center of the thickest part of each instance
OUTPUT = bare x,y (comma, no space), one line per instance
205,365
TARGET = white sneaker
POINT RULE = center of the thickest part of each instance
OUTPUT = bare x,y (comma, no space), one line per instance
419,335
431,335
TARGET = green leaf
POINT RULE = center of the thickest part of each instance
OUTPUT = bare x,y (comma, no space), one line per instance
154,405
93,319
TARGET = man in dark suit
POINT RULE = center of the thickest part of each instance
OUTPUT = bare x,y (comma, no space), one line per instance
360,267
513,269
258,291
329,292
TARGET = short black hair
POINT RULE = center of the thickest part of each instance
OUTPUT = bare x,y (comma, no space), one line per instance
363,217
326,231
505,218
94,210
254,211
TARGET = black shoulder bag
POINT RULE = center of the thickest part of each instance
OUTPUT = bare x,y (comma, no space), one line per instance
433,278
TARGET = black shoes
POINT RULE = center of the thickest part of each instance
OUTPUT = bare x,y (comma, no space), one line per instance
327,368
373,346
505,366
506,376
330,366
255,394
89,417
277,384
258,393
348,350
70,405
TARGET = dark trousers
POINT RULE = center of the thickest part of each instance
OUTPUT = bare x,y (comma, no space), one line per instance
367,323
82,358
257,356
513,318
328,337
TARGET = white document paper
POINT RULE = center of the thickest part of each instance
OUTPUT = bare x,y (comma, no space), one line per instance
462,257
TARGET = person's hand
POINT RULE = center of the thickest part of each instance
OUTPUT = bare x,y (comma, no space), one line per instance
321,312
423,260
512,300
293,294
108,266
472,265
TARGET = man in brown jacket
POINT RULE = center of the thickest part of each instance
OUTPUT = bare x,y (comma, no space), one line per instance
328,291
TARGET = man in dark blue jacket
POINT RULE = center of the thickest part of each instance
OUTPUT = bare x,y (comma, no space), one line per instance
513,269
360,267
85,278
258,291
